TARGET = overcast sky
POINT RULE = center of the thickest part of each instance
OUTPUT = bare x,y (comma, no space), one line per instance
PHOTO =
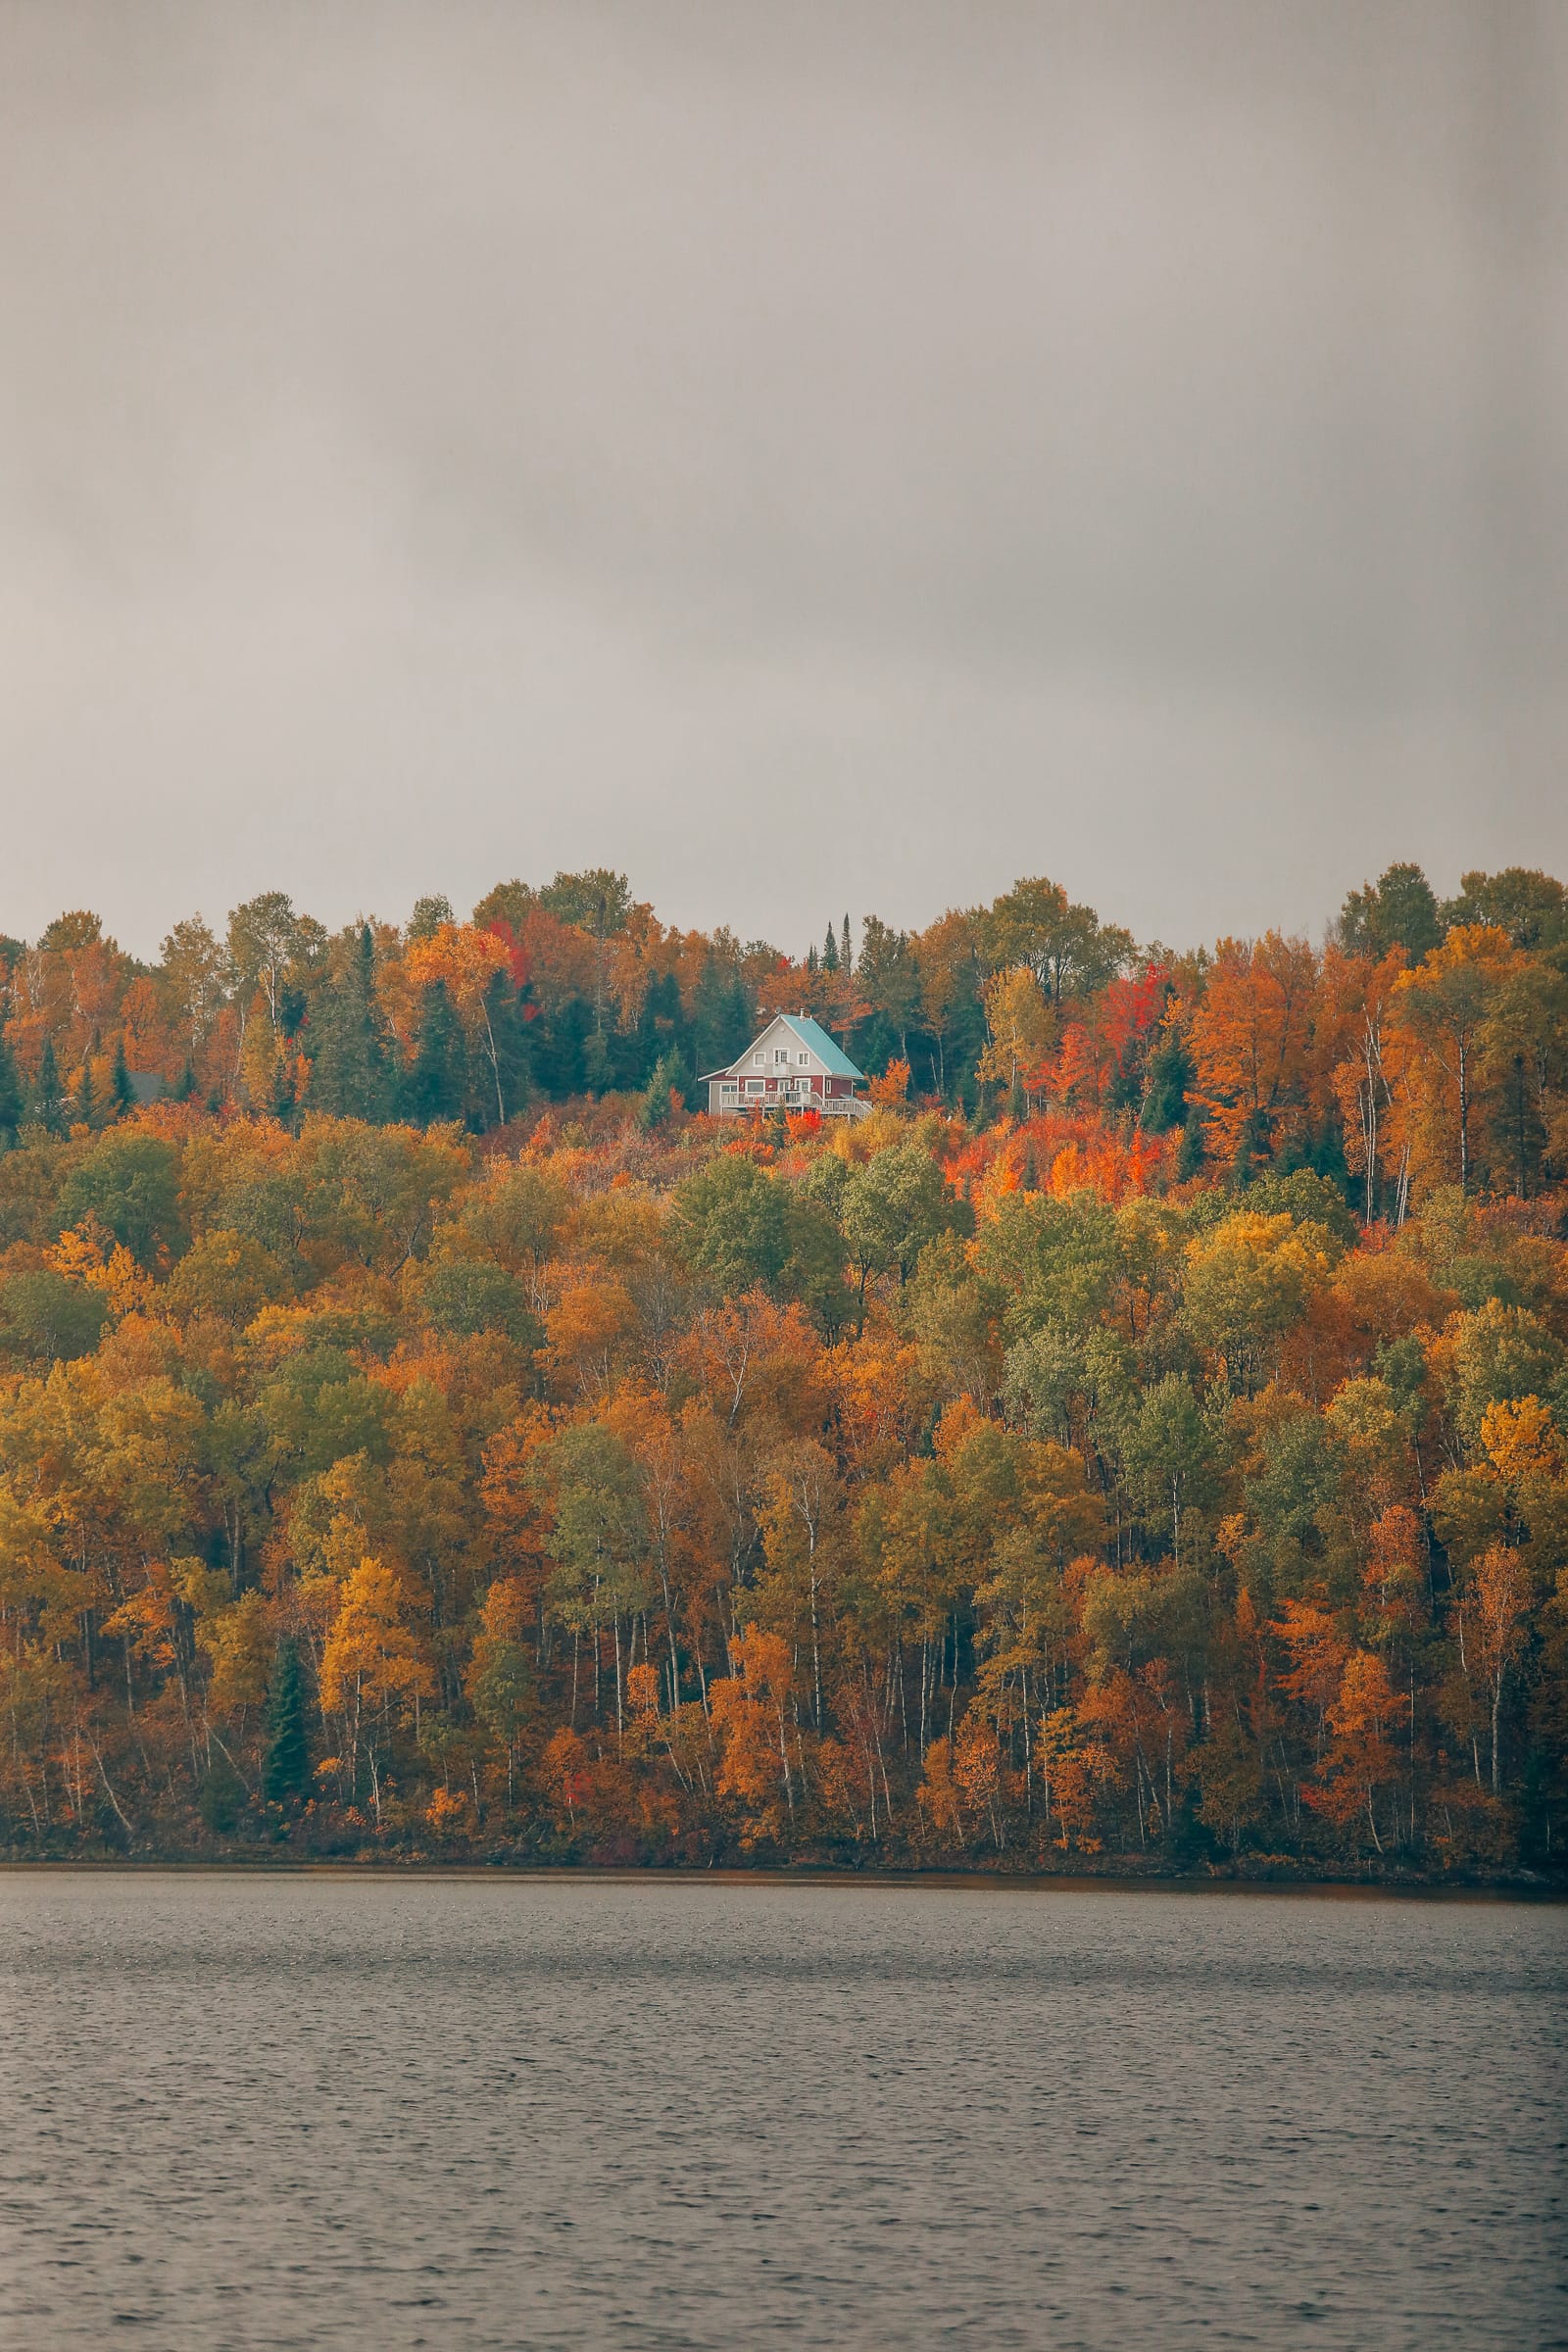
809,457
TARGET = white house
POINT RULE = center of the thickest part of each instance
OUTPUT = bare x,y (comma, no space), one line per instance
794,1066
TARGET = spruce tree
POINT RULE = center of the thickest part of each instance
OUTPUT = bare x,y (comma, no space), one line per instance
220,1798
11,1103
85,1109
1165,1084
721,1024
1193,1152
124,1093
437,1077
348,1068
47,1105
665,1092
830,951
286,1765
506,1080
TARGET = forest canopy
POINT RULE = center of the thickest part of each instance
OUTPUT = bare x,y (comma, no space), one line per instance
424,1431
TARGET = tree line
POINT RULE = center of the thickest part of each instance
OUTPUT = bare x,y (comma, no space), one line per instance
1142,1437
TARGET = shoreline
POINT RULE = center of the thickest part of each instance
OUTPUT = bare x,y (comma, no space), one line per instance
1535,1890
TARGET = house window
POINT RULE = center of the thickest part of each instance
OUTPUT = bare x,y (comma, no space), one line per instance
759,1059
781,1054
754,1086
804,1059
731,1089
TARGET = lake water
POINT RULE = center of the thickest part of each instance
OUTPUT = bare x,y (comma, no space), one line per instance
312,2111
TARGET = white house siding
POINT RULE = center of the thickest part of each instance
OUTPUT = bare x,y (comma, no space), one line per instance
782,1069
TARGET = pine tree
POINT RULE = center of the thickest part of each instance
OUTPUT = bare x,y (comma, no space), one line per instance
846,949
830,951
721,1024
505,1048
10,1101
47,1104
437,1079
220,1798
348,1061
286,1765
666,1089
1193,1153
123,1094
1169,1075
557,1046
84,1108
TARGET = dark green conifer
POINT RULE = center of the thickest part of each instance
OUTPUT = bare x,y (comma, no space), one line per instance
1193,1153
220,1798
437,1077
286,1765
348,1060
1168,1076
12,1109
47,1104
123,1094
666,1089
506,1049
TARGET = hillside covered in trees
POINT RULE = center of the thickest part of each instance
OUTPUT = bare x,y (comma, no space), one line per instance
1145,1438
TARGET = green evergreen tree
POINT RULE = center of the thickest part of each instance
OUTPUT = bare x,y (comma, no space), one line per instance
721,1024
665,1092
436,1087
846,949
11,1100
348,1059
557,1045
830,951
286,1765
47,1104
220,1798
1165,1085
85,1109
1193,1153
506,1050
123,1094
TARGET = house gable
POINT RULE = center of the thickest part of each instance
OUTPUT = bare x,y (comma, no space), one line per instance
791,1044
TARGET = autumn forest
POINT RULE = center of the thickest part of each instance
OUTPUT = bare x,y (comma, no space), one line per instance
1140,1443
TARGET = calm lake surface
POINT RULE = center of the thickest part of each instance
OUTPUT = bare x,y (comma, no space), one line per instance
387,2112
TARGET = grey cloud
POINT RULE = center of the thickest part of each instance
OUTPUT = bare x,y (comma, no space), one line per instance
807,456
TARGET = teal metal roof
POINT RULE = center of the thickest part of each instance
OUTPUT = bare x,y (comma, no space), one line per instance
811,1032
